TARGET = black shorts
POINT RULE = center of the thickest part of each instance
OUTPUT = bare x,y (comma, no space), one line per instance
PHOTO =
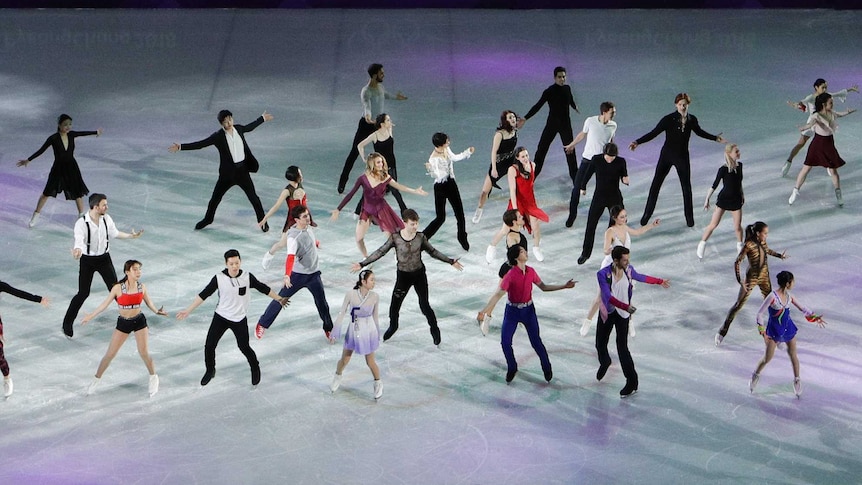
129,325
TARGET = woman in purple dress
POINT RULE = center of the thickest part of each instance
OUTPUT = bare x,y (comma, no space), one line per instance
65,175
374,207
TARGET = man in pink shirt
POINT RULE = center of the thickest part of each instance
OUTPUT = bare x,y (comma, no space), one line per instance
518,283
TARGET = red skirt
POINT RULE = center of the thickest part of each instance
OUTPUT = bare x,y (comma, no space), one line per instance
822,153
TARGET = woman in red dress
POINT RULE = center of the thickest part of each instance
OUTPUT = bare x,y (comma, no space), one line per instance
522,178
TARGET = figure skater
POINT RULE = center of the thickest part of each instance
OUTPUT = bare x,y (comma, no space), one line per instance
384,144
65,175
93,233
129,292
514,222
599,131
293,195
363,329
731,198
441,166
616,285
806,105
301,270
518,284
674,153
231,313
372,96
236,163
559,98
409,244
374,207
821,151
756,250
610,170
780,328
521,178
502,157
618,233
8,386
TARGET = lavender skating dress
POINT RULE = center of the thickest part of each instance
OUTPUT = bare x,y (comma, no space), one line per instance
363,330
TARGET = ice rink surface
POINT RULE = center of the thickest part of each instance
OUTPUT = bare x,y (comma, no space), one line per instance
151,78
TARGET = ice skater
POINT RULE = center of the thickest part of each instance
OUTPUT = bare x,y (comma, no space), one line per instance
518,285
780,328
65,175
236,163
233,286
618,233
821,151
129,292
599,131
93,232
514,222
363,329
293,195
301,270
441,166
677,127
756,250
806,105
375,209
372,96
409,244
502,157
559,98
616,283
8,385
522,179
730,199
384,144
611,171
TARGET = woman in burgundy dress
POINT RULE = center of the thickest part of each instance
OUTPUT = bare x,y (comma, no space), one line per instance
65,175
374,207
821,151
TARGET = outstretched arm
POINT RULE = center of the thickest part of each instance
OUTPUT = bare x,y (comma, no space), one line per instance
158,311
185,313
568,284
404,188
115,292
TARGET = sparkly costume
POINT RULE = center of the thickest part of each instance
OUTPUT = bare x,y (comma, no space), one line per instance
779,327
374,206
363,329
505,157
757,275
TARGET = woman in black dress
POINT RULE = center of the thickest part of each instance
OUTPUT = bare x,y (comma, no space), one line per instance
731,198
502,157
65,175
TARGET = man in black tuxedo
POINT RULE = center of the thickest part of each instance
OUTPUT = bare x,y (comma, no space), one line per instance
236,163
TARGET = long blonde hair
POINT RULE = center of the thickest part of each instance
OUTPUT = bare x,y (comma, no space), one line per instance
370,167
730,162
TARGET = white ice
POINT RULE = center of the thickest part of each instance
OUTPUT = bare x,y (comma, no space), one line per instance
151,78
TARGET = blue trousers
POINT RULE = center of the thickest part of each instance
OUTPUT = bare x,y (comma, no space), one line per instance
299,281
527,316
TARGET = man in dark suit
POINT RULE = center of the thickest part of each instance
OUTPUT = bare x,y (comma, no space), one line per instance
236,163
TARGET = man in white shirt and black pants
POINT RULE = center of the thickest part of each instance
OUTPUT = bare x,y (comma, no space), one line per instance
599,131
93,231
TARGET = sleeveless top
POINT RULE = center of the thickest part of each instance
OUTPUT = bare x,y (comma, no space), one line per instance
506,149
130,301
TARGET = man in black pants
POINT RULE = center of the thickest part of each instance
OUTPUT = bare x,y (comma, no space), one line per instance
409,244
236,163
610,170
92,233
559,98
231,313
372,96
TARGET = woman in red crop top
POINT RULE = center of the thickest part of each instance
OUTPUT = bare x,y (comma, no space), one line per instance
129,293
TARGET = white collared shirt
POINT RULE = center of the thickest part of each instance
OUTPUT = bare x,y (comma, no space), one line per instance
235,144
92,237
441,166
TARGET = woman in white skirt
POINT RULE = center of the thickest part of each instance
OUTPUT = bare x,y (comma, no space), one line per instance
363,330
